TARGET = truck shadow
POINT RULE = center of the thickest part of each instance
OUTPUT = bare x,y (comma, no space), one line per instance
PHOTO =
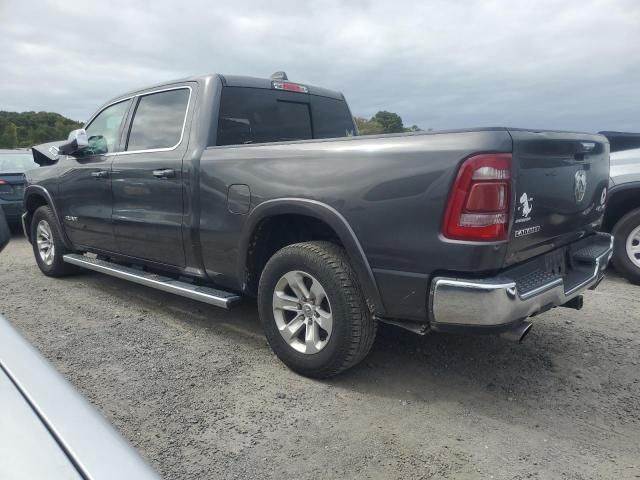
445,366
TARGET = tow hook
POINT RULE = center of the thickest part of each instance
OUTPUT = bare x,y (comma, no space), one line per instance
575,303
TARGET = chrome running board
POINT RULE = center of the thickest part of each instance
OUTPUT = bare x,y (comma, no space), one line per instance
212,296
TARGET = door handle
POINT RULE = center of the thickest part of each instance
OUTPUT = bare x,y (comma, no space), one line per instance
100,174
164,173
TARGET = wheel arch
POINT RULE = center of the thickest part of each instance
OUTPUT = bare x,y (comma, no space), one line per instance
36,196
623,198
318,212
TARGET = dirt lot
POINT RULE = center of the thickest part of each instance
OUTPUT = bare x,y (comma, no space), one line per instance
199,393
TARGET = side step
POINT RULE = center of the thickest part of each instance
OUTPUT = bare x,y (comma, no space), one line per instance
208,295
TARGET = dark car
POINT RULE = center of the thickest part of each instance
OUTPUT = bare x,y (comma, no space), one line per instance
13,165
217,187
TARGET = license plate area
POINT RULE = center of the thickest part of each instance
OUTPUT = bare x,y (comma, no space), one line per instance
557,262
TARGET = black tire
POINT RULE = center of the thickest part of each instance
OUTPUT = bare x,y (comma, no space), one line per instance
621,231
354,328
15,227
57,267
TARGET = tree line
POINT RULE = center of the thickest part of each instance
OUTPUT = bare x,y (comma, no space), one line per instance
383,122
25,129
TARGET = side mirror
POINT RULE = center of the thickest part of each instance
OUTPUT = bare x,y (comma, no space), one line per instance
76,142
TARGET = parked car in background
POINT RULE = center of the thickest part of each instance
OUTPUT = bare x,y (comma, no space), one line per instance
622,216
233,186
5,234
13,165
47,429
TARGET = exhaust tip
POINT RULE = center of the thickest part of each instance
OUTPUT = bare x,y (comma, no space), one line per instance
525,332
518,333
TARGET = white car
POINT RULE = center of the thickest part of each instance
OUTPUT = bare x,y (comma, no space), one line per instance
622,215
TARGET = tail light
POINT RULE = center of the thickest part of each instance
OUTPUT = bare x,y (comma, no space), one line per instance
478,208
5,187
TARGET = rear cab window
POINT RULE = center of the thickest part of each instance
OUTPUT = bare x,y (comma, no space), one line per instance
259,115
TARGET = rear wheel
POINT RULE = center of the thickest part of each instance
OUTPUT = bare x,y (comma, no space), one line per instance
48,247
313,312
626,253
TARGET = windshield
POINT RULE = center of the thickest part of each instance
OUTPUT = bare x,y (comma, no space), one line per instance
16,162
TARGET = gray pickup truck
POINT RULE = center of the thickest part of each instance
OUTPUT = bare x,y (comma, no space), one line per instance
217,187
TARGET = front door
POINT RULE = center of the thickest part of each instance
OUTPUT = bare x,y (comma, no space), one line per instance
85,186
147,179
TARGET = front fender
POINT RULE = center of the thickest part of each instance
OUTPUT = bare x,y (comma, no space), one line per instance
335,220
30,195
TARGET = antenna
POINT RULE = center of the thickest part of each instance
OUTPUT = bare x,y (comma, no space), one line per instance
279,76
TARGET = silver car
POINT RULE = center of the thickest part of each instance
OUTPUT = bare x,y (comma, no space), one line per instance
47,430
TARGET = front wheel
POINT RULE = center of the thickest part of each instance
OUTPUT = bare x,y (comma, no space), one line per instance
48,247
314,315
626,252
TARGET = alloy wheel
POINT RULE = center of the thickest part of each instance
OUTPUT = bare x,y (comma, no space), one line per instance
44,240
302,312
633,246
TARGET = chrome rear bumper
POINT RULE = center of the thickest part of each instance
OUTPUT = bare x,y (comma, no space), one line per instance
500,301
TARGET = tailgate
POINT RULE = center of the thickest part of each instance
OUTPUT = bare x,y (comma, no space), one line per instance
560,184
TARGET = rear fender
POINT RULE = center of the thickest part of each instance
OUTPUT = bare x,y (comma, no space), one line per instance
333,218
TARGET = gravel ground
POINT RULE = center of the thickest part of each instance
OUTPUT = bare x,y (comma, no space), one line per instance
198,392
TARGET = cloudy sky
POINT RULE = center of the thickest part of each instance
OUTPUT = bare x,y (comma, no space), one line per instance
572,64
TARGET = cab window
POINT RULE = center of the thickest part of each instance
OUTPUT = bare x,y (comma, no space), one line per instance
159,120
104,130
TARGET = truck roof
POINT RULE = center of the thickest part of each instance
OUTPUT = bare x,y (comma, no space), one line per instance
235,81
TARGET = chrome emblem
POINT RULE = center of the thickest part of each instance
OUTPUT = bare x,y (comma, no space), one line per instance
580,185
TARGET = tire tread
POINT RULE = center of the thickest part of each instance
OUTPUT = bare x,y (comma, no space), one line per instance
621,261
59,268
363,326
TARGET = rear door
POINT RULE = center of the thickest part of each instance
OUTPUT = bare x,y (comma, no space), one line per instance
560,182
147,177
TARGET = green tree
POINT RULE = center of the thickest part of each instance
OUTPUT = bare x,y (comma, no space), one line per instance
383,122
368,127
33,128
9,136
391,122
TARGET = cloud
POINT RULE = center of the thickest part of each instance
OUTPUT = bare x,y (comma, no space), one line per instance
439,64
